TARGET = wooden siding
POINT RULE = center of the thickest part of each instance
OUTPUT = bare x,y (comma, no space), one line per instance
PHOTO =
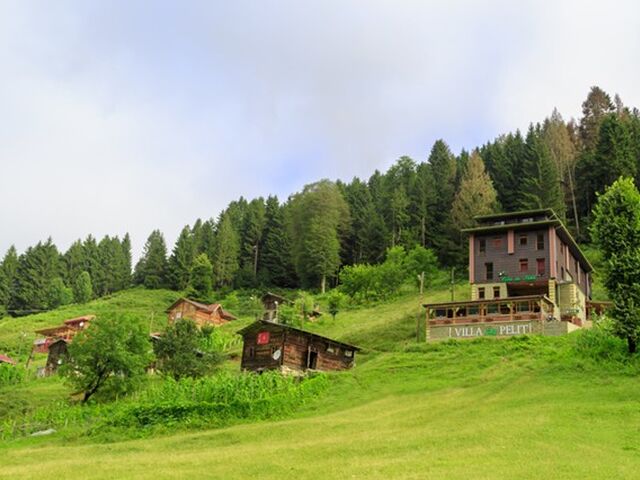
509,263
189,311
296,348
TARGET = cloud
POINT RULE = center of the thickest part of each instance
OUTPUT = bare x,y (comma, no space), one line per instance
130,116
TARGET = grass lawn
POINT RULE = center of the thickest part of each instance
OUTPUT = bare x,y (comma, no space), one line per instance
522,408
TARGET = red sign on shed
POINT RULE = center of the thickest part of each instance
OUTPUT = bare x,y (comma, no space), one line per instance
263,338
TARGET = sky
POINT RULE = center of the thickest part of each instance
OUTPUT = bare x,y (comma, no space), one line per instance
127,116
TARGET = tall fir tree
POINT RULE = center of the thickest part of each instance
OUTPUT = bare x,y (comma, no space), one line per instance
34,280
8,269
181,260
597,105
475,196
275,267
125,275
541,184
151,270
443,167
227,250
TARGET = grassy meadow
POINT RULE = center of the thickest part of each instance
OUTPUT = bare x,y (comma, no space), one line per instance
526,408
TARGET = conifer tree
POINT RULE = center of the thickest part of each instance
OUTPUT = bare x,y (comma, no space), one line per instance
8,269
200,278
476,195
226,252
425,199
37,268
74,261
597,105
151,270
125,275
541,186
82,288
93,264
250,238
181,260
275,260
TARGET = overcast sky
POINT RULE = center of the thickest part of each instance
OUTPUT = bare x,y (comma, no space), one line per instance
125,116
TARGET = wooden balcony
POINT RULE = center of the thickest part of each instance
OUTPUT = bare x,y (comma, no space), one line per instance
510,309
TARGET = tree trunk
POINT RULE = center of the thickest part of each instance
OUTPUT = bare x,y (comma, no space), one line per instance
323,284
575,207
633,346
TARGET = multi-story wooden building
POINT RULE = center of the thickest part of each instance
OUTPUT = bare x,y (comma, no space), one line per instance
523,266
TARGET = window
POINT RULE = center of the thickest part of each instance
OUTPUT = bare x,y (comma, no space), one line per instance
523,240
524,265
178,315
496,292
450,313
252,352
482,245
348,353
473,310
561,273
522,306
330,349
540,266
492,308
441,313
461,312
505,309
481,293
497,242
540,241
489,271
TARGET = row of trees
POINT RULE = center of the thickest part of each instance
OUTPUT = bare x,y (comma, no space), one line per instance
306,240
43,278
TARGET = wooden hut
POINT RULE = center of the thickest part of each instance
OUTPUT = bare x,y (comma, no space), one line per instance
273,346
202,314
270,303
58,354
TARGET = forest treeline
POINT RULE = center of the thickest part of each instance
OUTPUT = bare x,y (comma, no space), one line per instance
306,240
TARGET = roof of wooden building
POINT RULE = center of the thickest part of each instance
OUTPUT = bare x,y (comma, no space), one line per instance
276,297
209,308
262,323
6,359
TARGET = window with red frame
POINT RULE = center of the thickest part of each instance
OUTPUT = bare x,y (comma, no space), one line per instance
524,265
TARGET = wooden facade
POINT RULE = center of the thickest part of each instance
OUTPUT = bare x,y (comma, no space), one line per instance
270,303
66,331
271,346
58,354
529,253
202,314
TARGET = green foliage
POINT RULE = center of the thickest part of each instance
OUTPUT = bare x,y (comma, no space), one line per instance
421,260
180,353
335,301
151,270
181,260
616,231
108,358
227,250
275,266
11,375
475,196
319,217
200,278
82,288
59,293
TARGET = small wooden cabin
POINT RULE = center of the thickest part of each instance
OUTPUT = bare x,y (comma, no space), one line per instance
58,354
274,346
202,314
270,303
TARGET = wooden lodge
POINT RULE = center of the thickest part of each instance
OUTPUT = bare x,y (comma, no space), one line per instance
527,275
202,314
274,346
66,331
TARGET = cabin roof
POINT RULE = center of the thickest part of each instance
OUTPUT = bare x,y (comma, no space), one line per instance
210,308
83,318
51,331
259,323
276,297
6,359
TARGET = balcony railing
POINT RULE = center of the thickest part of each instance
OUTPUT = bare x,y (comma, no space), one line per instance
511,309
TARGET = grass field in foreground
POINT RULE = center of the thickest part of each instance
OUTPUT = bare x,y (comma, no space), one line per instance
521,408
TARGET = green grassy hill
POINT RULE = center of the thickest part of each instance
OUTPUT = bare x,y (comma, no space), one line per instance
528,407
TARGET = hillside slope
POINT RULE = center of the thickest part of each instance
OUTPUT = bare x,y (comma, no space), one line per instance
528,407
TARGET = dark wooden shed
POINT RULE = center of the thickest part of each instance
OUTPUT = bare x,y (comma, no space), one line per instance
270,303
58,354
274,346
